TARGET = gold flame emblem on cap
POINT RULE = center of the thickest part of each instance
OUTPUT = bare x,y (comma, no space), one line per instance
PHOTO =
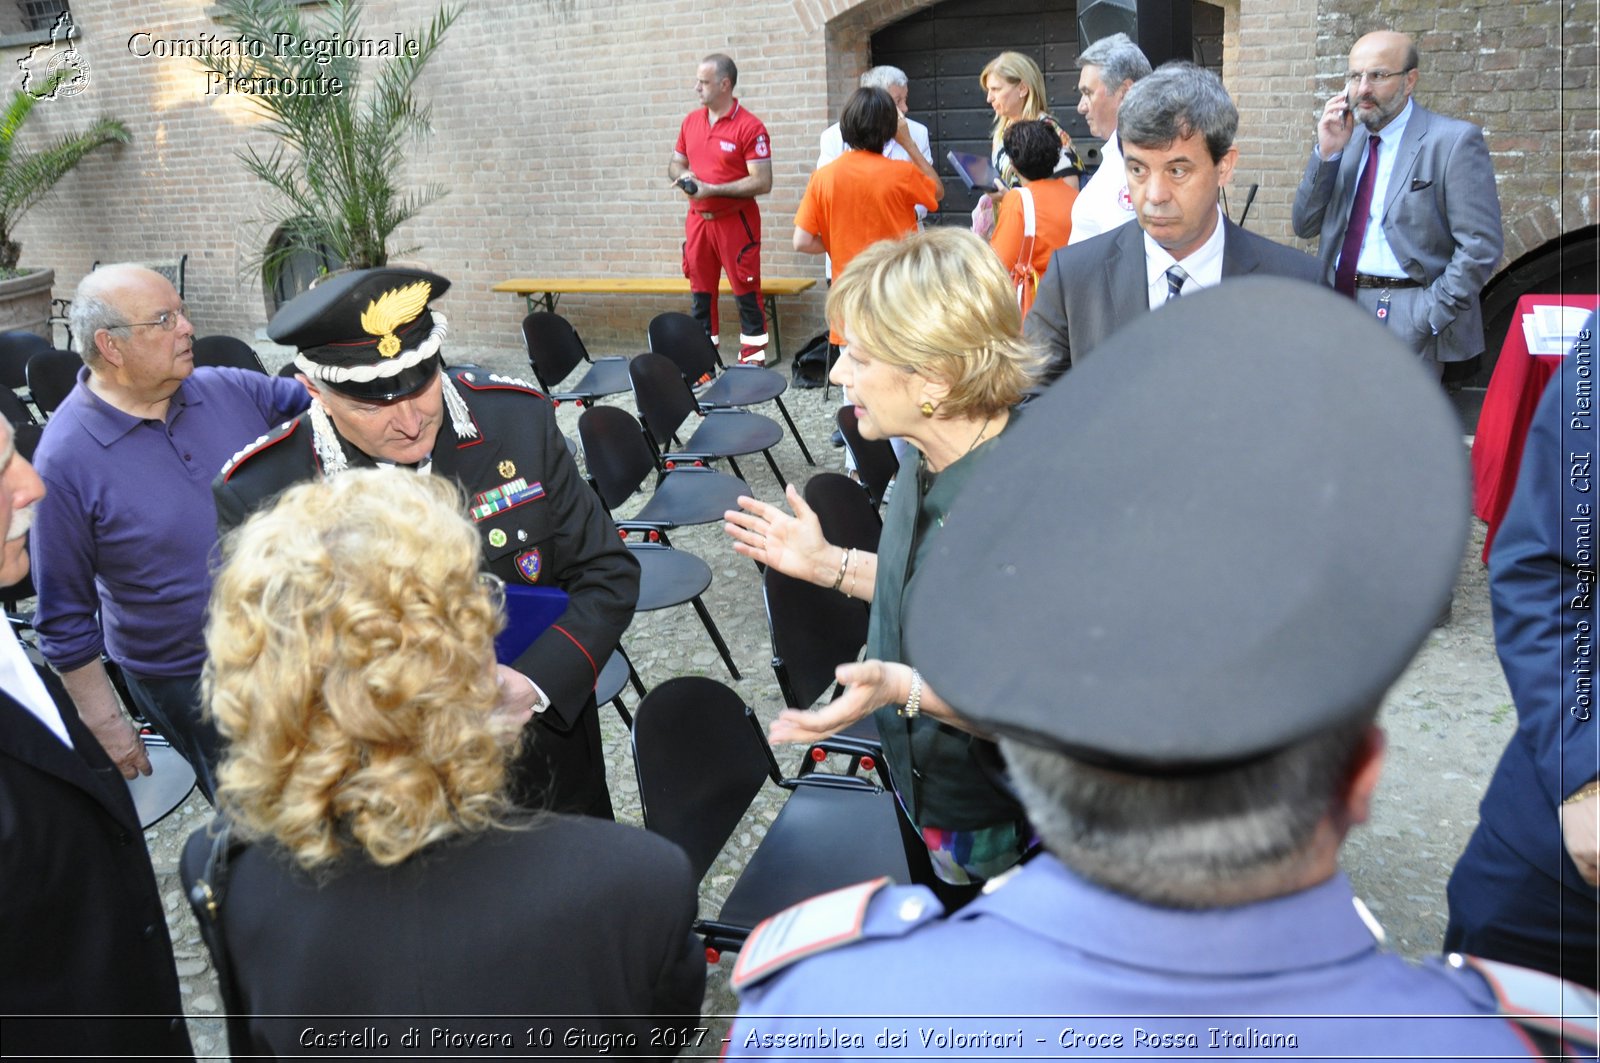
389,311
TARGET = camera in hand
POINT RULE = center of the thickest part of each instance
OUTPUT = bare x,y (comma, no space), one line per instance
689,185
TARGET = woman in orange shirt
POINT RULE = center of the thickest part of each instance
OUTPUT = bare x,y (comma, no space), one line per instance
1033,148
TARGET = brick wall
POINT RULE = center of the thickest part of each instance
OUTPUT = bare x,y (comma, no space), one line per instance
554,121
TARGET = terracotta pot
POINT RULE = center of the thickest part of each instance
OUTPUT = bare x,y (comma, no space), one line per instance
25,302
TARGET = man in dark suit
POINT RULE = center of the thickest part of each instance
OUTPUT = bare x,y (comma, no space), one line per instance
1177,128
83,935
1404,205
369,355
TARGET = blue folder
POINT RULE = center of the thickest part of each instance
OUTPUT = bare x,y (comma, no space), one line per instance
529,611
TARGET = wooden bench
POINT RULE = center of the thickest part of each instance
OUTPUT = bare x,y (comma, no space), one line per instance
546,292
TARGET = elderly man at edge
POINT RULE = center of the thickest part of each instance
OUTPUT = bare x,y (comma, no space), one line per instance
1108,68
124,535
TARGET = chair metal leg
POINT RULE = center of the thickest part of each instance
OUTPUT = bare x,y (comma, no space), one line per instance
798,438
622,711
782,483
716,636
734,465
633,675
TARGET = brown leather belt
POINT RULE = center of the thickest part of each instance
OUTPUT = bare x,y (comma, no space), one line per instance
713,215
1367,280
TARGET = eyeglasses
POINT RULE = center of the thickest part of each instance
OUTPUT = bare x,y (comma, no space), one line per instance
1375,78
496,588
166,321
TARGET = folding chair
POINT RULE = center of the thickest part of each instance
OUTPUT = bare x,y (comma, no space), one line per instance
845,510
874,458
701,757
16,347
227,351
51,377
619,460
617,674
683,339
555,350
665,403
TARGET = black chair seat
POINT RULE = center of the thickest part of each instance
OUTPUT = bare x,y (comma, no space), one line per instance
607,376
668,577
701,756
808,851
691,496
613,677
744,385
733,432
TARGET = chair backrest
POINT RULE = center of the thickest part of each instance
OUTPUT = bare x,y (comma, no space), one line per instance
228,351
814,630
845,511
684,340
875,460
616,452
663,398
51,376
701,759
16,347
554,347
23,428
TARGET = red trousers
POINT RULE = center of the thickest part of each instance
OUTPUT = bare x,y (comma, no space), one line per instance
728,242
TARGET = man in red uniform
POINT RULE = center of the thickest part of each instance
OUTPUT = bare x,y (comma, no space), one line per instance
722,162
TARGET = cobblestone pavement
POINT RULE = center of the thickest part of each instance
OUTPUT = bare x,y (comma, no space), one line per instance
1448,718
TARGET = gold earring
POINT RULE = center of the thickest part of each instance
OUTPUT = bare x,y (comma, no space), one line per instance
927,409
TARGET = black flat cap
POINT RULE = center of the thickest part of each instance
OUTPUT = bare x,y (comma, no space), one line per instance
1228,530
368,333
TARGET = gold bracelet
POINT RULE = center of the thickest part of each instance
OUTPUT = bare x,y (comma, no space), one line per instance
850,591
1584,793
844,562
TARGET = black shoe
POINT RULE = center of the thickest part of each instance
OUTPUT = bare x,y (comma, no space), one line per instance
837,438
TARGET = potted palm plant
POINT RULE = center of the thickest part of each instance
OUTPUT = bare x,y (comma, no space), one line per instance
341,139
26,177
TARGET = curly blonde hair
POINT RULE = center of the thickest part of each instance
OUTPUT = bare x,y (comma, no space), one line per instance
939,303
350,650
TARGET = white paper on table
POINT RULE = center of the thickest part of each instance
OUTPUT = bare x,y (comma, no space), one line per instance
1553,328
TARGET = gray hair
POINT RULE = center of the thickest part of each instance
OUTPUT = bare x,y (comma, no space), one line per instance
92,309
1118,58
1186,841
884,77
1179,100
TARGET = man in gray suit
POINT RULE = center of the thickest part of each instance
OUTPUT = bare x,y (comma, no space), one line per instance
1404,203
1177,128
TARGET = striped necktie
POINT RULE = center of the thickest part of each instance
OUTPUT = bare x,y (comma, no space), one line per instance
1175,278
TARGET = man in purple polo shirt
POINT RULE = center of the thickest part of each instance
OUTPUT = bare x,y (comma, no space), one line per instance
127,527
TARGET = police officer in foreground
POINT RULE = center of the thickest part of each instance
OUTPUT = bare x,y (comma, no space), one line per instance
1209,564
369,353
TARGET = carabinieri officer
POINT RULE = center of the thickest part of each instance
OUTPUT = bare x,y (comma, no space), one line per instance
369,355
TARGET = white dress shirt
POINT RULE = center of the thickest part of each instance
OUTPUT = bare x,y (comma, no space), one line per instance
1203,265
18,679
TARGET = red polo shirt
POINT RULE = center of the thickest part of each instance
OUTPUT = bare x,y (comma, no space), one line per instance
720,152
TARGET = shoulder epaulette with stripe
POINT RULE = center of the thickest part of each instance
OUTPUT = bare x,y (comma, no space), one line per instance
478,380
263,442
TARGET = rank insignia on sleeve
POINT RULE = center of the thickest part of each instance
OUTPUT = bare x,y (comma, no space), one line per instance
512,493
528,564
